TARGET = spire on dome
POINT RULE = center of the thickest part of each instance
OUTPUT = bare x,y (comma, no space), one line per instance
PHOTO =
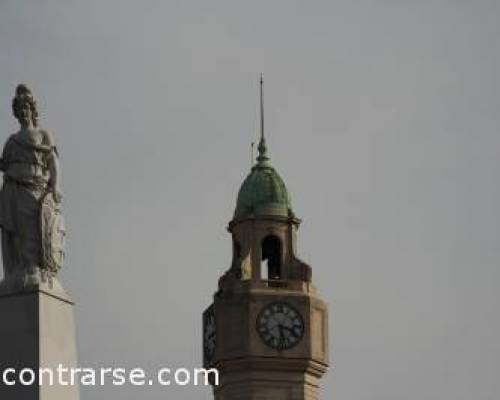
263,192
262,158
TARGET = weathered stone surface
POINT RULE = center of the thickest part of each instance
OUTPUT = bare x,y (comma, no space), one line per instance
32,225
39,331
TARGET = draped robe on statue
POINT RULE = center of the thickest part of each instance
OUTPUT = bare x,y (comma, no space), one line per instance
26,181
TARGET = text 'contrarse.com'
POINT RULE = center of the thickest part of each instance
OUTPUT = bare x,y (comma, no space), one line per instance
116,376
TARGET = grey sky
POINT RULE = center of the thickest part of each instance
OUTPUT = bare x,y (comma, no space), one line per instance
383,118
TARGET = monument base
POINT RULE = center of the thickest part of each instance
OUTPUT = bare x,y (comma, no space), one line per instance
38,331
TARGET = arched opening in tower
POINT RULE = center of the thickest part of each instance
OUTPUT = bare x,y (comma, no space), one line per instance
271,258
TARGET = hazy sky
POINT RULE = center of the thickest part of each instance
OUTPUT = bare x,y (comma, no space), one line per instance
383,119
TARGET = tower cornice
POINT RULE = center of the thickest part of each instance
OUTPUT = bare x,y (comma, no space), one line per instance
270,218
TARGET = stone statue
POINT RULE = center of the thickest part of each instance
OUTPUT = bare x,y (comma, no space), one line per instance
30,201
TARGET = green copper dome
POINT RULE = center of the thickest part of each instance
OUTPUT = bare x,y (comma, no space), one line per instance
263,192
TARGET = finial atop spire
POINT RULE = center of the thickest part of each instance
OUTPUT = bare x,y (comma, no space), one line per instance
261,107
262,157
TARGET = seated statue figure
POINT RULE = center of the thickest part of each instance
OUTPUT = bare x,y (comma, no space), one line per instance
30,202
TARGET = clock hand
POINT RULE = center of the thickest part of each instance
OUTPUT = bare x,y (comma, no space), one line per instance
282,340
281,329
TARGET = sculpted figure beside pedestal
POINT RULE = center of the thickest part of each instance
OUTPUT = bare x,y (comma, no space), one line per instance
30,203
38,328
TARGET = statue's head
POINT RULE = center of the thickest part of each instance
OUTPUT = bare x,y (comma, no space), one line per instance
24,106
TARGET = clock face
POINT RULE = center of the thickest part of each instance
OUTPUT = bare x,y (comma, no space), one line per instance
280,326
209,335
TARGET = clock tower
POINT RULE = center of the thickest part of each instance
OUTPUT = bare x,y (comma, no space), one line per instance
267,328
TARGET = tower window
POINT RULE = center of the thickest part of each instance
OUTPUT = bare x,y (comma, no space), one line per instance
271,258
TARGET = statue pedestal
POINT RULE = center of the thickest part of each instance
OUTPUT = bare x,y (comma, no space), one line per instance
37,331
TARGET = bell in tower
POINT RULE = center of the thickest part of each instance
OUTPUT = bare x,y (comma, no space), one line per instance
267,329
